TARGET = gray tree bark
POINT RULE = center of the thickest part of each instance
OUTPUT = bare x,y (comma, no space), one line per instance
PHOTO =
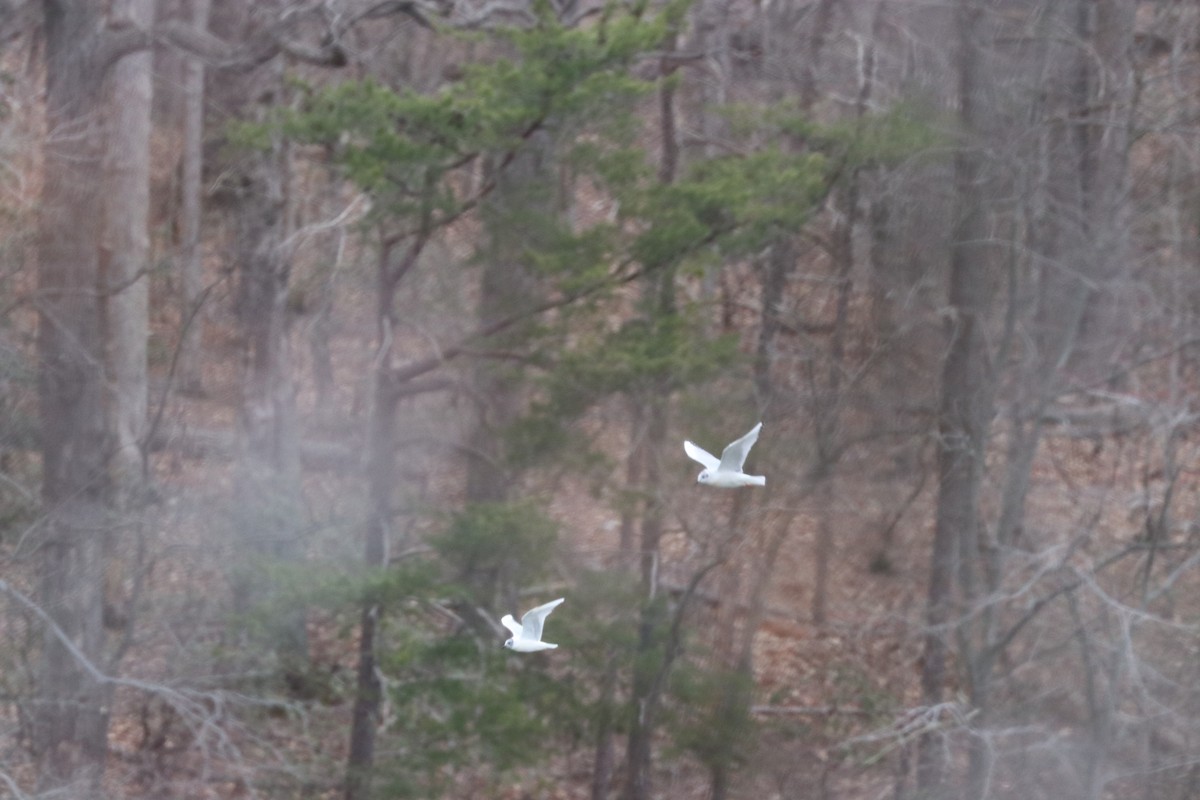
69,718
964,410
191,264
267,492
1077,237
381,477
125,251
506,286
646,694
649,674
829,404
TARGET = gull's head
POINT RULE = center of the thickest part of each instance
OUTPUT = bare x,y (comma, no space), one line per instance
703,477
509,643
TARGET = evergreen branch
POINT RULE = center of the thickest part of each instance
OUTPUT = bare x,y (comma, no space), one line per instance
400,375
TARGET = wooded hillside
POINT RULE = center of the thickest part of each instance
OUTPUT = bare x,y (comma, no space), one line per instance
334,331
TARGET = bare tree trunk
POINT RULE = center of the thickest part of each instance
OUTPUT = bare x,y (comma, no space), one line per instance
381,477
828,408
1109,135
815,41
965,407
639,479
604,755
646,695
780,262
125,252
734,659
69,718
320,333
1076,234
381,465
1114,93
267,489
732,707
368,696
1057,240
711,39
646,690
191,257
505,286
827,413
264,269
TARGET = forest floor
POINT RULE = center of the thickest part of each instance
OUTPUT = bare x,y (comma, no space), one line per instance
818,687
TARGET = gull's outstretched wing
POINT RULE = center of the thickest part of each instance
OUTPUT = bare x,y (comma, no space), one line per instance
511,624
734,455
700,454
531,623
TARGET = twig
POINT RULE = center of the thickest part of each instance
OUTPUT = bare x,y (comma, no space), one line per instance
816,711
